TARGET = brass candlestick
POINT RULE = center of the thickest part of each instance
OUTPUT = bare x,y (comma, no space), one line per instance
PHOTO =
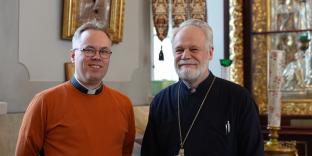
273,137
274,146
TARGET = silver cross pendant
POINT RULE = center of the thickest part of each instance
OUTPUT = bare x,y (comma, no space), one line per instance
181,152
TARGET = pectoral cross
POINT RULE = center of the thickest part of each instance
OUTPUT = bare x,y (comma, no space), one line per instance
181,152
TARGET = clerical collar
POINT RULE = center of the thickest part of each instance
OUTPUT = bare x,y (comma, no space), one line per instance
84,89
193,90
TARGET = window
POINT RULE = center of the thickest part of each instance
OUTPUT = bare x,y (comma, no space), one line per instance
163,70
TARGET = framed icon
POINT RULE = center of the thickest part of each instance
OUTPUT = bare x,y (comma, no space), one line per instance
77,12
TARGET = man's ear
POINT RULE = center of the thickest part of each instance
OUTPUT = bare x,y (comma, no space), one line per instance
72,56
210,53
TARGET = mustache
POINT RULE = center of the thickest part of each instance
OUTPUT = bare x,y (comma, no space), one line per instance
183,62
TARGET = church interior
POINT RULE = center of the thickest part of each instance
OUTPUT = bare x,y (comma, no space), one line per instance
264,39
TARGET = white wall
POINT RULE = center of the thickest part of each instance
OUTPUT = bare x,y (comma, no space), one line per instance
42,25
40,48
32,55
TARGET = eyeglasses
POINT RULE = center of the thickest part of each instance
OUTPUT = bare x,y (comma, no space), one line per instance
90,52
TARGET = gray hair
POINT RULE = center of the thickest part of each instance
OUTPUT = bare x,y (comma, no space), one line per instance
91,25
200,24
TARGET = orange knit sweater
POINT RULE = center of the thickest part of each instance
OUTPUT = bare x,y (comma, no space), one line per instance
64,121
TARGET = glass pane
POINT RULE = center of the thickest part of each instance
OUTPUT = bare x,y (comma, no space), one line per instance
290,15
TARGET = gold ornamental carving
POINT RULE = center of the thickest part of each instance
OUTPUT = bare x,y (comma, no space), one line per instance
259,54
297,107
274,147
110,13
259,72
261,45
236,42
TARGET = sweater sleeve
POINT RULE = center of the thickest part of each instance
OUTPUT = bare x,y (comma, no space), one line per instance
130,135
32,131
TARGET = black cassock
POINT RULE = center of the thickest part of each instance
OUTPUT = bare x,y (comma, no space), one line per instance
227,125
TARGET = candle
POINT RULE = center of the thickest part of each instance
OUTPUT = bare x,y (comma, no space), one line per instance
276,60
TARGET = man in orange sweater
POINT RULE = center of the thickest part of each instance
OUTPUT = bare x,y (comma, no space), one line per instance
80,117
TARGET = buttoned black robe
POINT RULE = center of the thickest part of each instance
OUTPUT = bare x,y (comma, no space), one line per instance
227,125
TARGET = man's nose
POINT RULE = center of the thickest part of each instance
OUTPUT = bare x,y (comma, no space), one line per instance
186,54
97,55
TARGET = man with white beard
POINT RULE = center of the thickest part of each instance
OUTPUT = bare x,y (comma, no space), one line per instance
201,115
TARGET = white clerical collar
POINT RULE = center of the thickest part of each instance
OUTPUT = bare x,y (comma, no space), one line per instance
192,90
91,91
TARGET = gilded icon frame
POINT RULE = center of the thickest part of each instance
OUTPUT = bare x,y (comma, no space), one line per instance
116,19
261,22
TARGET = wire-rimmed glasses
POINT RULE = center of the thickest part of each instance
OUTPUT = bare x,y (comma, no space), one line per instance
90,52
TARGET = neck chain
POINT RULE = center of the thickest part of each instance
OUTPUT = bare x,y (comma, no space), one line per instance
182,141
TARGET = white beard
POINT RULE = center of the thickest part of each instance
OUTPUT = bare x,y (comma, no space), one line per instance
188,74
191,74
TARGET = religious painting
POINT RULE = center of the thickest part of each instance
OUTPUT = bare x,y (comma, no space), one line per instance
69,70
276,25
109,12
